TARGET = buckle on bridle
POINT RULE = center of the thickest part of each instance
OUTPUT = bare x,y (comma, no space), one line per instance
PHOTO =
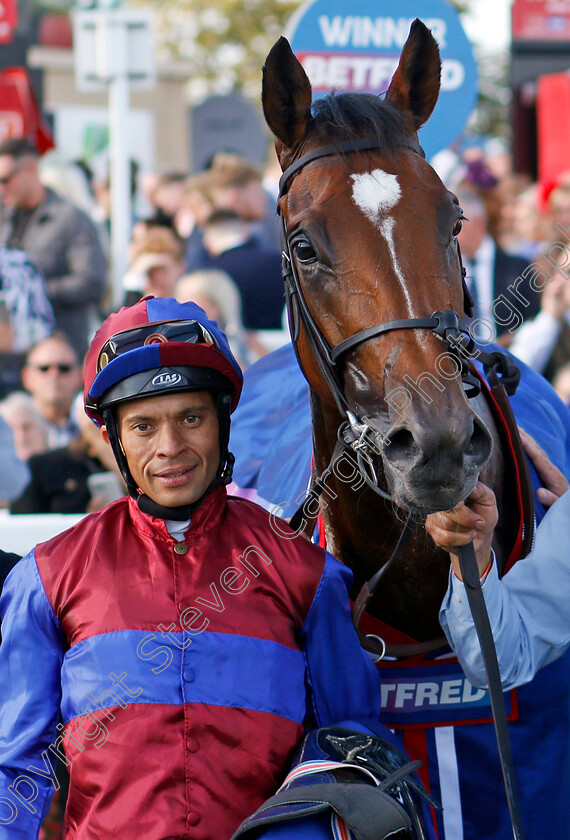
452,331
499,366
448,322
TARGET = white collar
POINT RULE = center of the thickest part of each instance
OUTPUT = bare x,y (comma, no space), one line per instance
177,529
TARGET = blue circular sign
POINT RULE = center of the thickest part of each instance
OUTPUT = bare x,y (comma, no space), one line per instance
356,45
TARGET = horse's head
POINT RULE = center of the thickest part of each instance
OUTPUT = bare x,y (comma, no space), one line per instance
372,239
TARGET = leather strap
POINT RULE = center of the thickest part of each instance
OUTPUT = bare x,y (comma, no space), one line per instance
499,393
372,643
387,326
470,575
357,145
303,520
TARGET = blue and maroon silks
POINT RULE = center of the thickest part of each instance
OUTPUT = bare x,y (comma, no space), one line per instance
183,677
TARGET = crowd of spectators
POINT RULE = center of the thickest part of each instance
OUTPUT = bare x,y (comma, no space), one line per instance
515,245
213,237
60,238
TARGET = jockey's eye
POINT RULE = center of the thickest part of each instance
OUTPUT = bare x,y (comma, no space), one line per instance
303,250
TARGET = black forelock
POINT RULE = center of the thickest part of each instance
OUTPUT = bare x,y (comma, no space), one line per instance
342,116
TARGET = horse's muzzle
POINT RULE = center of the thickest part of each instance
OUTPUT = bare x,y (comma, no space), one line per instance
430,468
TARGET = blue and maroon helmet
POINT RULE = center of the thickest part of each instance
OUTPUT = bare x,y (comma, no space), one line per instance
156,347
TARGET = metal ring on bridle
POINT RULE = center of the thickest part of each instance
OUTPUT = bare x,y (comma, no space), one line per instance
378,656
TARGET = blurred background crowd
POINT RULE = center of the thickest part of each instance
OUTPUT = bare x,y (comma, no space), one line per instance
212,238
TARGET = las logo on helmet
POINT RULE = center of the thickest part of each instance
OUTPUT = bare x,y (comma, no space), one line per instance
162,380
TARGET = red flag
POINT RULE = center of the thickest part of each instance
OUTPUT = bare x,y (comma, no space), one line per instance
20,115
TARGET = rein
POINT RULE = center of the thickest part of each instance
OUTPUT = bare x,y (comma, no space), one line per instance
470,575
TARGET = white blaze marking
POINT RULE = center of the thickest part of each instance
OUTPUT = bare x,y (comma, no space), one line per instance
375,193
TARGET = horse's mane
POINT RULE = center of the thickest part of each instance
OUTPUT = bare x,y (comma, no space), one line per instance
342,116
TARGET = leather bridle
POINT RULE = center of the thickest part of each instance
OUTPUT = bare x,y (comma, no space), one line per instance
446,325
354,432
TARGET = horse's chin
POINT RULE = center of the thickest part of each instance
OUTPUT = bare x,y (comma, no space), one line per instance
421,500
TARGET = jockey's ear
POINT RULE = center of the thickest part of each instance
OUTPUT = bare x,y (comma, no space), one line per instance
414,88
286,97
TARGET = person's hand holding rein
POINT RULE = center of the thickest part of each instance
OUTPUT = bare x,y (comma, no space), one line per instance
471,521
475,520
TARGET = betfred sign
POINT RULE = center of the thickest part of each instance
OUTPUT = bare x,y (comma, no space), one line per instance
365,73
8,19
356,46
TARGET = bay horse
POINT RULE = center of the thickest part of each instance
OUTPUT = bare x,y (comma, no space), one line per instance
370,234
373,238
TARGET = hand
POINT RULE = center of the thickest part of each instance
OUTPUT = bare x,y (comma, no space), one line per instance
471,521
555,482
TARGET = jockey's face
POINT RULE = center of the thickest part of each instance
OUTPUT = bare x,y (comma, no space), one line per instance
171,444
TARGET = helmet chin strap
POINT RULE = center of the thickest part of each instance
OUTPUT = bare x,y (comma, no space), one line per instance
146,503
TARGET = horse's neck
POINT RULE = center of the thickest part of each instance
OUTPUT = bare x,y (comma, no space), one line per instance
362,530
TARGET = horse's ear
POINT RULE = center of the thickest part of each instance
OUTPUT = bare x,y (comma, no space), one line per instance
415,85
286,95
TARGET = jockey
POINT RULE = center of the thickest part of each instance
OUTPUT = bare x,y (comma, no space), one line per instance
172,647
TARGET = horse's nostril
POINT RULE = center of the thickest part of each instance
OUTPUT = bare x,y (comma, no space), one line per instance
467,447
401,447
479,444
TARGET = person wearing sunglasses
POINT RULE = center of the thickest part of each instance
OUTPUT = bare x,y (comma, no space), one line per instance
59,237
183,639
52,375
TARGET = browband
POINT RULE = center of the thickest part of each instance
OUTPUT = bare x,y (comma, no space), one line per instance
345,146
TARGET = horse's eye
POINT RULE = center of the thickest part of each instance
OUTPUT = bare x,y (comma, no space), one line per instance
304,251
457,227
